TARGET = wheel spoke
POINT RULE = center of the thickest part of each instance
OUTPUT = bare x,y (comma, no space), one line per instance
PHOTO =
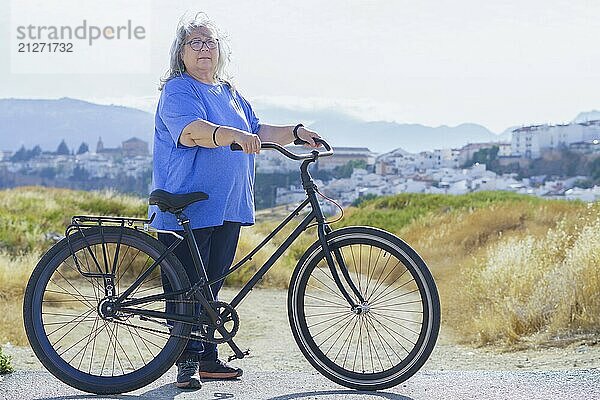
382,296
394,322
388,329
394,298
390,285
87,343
341,333
85,302
327,291
136,345
349,343
381,340
327,320
92,281
327,301
343,345
334,332
369,277
70,284
81,318
327,313
378,280
371,344
95,333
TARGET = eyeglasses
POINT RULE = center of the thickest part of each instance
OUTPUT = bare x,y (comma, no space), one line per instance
197,44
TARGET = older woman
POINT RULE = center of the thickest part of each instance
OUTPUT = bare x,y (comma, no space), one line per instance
200,113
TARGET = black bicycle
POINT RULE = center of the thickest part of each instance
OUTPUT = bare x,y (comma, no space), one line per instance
362,305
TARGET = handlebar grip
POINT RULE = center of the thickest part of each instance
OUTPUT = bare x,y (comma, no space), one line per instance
317,140
323,143
237,147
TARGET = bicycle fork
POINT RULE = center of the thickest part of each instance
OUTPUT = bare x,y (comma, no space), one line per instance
323,230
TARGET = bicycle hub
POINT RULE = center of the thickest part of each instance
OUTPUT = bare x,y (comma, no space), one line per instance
107,308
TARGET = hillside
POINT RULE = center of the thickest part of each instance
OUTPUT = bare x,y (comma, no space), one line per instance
512,270
46,122
31,122
381,136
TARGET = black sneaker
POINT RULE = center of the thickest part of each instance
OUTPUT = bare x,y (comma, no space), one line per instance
218,370
187,377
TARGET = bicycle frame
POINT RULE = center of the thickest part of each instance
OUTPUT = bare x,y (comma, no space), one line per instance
200,290
316,214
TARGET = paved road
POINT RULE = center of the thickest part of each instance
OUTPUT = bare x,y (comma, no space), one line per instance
431,385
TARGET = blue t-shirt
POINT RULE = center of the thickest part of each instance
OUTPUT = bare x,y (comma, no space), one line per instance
226,176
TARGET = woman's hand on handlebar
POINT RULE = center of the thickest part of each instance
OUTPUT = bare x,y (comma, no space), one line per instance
307,135
249,142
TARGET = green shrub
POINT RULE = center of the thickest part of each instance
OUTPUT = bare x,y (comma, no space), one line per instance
5,367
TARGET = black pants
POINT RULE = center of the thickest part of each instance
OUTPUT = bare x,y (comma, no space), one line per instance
217,246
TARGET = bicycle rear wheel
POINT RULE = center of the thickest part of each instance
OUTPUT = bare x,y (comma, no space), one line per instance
393,332
63,320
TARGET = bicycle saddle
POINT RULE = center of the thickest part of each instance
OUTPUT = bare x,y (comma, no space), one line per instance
174,203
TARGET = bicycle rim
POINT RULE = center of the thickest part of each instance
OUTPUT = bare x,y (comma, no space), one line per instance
392,333
67,331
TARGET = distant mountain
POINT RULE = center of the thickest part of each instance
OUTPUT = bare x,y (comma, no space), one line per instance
379,136
506,135
47,122
587,116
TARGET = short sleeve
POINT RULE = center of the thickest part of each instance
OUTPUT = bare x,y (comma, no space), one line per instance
252,118
177,110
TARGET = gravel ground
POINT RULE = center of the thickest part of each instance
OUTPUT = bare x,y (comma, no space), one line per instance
431,385
452,372
264,329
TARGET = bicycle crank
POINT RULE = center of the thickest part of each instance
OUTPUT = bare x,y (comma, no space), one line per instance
228,319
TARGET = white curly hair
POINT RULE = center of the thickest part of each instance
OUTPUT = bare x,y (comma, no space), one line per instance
188,24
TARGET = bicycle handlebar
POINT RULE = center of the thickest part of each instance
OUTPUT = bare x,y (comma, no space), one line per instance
289,154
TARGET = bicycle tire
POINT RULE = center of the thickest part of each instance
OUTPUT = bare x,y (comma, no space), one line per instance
424,311
45,304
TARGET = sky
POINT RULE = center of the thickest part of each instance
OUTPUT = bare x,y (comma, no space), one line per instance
498,64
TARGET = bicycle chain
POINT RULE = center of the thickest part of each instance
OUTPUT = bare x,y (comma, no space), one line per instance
163,333
197,337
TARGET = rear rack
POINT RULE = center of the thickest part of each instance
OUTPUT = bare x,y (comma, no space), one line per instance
92,220
81,223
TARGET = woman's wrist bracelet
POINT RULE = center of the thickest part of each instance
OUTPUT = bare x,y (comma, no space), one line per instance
214,135
295,131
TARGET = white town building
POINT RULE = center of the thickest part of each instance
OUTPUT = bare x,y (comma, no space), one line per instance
529,141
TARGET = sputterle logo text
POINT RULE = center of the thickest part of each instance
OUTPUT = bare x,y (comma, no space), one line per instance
85,31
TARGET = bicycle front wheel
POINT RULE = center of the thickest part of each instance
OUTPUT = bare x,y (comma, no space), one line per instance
390,335
64,320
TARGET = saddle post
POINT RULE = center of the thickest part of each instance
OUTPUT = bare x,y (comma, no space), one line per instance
195,251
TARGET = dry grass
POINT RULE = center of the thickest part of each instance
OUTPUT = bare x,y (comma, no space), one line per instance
279,275
14,274
531,286
28,215
509,268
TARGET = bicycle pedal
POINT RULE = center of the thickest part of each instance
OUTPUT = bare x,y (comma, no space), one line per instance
232,357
